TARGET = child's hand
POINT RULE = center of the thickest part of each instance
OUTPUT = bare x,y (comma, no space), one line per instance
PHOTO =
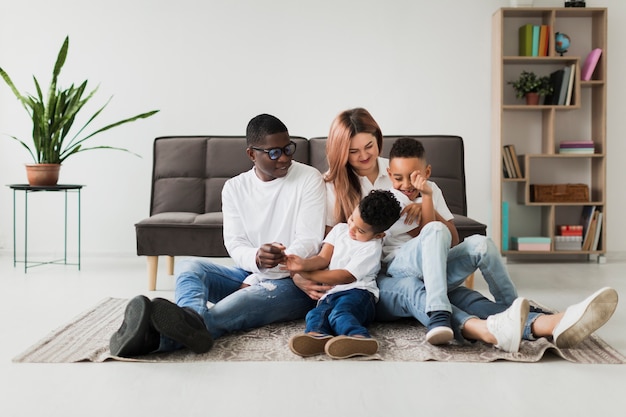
293,263
420,183
413,213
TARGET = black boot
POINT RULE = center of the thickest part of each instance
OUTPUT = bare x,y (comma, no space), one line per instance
183,325
136,336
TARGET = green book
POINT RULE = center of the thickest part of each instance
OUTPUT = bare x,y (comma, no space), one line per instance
526,40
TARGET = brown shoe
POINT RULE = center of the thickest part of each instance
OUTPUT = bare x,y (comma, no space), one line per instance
342,347
307,344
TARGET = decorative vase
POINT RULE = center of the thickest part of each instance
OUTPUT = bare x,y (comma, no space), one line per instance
521,3
42,174
532,99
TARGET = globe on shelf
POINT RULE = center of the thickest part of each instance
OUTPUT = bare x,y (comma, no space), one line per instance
561,43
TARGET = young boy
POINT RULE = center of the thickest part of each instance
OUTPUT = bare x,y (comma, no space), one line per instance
419,244
351,252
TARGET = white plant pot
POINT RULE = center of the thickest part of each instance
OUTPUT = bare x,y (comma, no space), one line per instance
521,3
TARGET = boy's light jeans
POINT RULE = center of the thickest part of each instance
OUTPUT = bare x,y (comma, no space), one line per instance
406,297
424,259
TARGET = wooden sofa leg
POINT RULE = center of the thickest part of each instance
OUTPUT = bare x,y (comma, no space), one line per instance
469,281
170,265
153,263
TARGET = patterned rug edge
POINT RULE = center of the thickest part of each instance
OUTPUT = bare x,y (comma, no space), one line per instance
85,339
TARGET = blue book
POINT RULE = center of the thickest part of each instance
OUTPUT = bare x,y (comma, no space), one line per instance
536,35
505,225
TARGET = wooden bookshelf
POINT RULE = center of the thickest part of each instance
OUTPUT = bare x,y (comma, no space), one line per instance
536,131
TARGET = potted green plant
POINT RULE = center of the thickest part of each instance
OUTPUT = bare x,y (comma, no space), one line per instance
52,119
531,86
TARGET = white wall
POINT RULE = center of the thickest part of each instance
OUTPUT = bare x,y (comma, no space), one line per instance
420,67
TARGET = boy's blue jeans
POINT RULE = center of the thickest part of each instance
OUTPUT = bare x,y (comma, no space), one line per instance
343,313
424,258
406,297
199,281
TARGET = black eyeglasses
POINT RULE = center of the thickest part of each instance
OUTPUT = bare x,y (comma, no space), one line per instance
275,153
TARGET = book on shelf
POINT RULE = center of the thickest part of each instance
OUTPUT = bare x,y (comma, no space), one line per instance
590,64
585,218
556,79
532,243
570,86
526,40
505,225
571,230
508,163
568,242
544,40
535,45
584,151
577,146
591,231
564,85
516,166
596,239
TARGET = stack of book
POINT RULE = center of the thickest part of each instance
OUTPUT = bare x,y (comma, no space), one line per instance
562,81
591,220
511,166
538,243
570,237
576,146
534,40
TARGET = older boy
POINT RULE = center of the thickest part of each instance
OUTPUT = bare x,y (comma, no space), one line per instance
502,323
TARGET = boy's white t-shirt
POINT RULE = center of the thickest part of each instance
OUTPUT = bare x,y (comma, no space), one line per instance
397,235
382,182
361,259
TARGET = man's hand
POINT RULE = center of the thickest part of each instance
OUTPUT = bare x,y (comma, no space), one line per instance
314,290
270,254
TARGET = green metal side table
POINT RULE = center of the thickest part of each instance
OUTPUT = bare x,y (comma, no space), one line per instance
27,189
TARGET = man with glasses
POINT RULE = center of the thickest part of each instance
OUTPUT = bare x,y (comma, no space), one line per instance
276,208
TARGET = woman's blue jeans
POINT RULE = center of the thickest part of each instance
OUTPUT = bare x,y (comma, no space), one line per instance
343,313
199,281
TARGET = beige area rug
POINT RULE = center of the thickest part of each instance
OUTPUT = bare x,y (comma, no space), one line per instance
86,338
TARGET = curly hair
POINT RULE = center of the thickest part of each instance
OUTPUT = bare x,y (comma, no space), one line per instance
380,209
346,125
407,148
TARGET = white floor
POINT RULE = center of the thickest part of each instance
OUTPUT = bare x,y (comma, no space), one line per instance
47,296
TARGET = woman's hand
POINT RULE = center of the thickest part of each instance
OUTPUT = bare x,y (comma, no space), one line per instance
413,213
315,290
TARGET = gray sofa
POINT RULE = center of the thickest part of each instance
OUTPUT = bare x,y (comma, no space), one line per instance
190,171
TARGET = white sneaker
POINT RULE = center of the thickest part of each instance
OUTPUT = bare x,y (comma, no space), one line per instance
508,326
584,318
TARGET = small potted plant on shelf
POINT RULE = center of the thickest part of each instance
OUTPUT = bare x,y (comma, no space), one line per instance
52,119
531,86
